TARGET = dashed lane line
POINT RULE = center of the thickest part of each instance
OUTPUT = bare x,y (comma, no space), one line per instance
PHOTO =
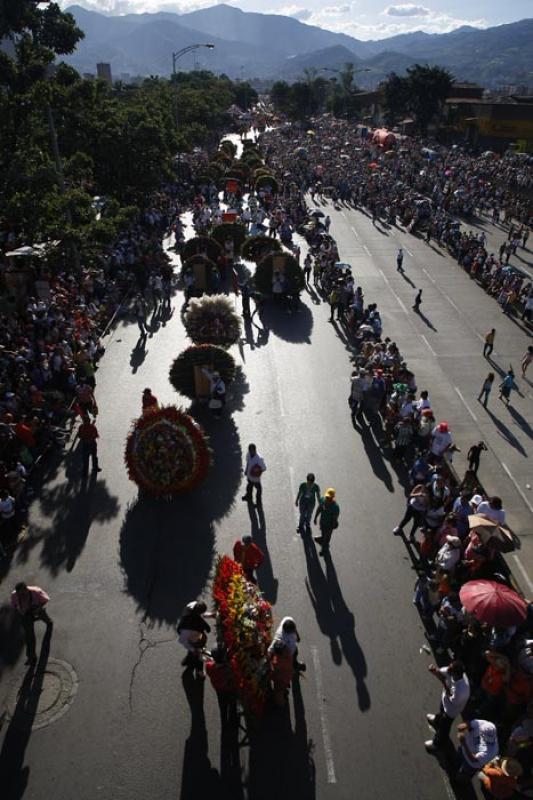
326,738
460,395
517,486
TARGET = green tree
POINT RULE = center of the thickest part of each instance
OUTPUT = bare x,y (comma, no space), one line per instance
428,87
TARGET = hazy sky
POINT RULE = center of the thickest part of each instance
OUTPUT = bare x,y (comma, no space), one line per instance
364,19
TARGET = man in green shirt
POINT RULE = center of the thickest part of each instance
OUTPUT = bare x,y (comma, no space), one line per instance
328,511
308,495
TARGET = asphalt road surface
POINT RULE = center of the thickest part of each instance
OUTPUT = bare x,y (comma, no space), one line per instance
119,569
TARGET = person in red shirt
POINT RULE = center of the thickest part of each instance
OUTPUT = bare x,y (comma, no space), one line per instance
24,433
222,679
88,434
248,555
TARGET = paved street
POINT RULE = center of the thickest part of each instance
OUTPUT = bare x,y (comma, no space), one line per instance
119,569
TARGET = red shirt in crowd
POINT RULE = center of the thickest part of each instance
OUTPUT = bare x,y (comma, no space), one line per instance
87,432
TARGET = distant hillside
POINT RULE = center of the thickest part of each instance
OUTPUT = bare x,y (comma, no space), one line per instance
273,46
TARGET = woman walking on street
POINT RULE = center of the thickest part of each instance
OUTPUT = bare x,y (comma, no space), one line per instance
486,389
527,359
507,385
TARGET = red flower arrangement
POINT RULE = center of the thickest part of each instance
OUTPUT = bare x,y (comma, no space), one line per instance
245,624
167,452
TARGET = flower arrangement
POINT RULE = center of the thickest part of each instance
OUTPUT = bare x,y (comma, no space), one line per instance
181,374
264,274
201,246
257,247
244,620
167,452
232,231
212,320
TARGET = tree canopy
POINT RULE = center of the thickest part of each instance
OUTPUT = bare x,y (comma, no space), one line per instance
116,141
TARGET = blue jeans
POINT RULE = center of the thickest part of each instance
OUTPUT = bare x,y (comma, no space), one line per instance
306,512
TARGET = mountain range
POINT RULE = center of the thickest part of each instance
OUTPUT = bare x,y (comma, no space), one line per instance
272,46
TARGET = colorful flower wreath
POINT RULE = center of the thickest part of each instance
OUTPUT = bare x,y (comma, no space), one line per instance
245,625
167,452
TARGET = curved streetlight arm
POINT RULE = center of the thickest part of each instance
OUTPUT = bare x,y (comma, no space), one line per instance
184,50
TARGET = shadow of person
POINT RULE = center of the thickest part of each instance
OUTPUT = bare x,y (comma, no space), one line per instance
426,321
70,515
198,778
504,431
167,549
295,327
11,637
375,455
280,760
408,279
334,618
230,759
265,574
350,647
13,773
139,353
521,421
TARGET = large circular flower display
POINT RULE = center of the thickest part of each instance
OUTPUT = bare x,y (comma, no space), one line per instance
212,320
167,452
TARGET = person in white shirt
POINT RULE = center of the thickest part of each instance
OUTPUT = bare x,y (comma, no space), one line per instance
455,696
254,468
478,740
442,439
287,634
492,508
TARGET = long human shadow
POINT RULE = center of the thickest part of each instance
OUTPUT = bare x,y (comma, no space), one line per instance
167,548
199,778
521,421
13,773
334,618
408,279
506,433
138,354
68,510
11,637
265,574
281,763
295,327
426,320
374,454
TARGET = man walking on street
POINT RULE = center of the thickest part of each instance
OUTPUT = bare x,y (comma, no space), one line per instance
308,495
489,343
88,434
455,696
399,261
254,468
418,301
248,555
29,602
328,511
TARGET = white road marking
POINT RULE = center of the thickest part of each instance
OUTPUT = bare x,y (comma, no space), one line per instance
385,278
517,486
408,251
401,304
465,404
354,232
293,487
326,739
431,278
428,345
524,573
367,251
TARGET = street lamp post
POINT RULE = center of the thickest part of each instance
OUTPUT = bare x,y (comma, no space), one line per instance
175,58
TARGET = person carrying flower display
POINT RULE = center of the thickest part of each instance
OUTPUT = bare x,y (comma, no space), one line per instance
149,401
248,555
287,635
192,634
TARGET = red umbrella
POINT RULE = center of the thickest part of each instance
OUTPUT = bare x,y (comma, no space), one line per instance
493,603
